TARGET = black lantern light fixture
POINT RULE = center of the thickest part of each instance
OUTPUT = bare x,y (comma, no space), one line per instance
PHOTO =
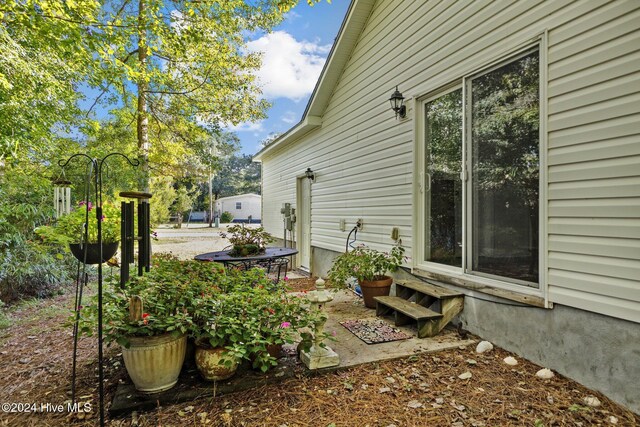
309,174
397,104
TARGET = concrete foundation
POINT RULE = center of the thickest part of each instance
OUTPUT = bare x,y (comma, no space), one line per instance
600,352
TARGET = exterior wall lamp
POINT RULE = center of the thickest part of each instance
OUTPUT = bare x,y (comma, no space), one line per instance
309,174
397,104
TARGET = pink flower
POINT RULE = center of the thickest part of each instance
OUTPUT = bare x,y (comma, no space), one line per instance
89,204
286,278
285,324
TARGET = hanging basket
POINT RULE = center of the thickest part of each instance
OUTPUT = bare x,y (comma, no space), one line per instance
93,252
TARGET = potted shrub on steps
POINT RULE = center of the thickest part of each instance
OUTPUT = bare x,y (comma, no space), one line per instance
369,267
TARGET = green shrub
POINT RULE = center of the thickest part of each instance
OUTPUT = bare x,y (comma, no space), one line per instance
29,269
226,217
5,322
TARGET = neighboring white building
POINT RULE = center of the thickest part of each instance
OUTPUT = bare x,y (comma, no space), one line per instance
241,207
514,177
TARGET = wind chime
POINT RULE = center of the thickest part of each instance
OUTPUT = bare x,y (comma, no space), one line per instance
62,197
127,225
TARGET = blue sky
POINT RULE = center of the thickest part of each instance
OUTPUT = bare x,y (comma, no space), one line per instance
293,56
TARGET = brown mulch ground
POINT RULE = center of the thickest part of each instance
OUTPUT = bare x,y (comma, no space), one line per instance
302,285
422,390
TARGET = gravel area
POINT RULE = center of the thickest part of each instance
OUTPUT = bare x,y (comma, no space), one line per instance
189,241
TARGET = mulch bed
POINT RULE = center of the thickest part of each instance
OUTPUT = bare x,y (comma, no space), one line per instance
422,390
304,284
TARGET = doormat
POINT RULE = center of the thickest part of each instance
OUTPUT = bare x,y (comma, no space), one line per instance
374,331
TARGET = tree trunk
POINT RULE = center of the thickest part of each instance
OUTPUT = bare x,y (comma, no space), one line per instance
143,87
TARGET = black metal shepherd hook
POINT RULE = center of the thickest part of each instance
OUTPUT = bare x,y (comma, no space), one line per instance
94,174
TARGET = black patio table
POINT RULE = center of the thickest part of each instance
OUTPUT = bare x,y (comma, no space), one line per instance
273,257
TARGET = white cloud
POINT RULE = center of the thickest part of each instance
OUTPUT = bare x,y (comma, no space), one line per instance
290,68
291,16
289,117
247,127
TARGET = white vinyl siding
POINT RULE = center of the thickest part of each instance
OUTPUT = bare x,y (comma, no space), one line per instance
363,157
241,206
594,161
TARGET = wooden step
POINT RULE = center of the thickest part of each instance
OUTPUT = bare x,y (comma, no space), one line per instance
414,311
419,301
405,312
428,289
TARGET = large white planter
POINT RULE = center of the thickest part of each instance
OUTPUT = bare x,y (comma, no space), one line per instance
154,363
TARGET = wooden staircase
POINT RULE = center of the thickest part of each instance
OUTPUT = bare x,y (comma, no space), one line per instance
432,307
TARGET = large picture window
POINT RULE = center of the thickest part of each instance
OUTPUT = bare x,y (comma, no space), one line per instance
494,233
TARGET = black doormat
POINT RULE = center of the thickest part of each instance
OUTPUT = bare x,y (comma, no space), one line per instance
374,331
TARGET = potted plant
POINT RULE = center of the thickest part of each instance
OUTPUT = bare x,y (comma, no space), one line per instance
369,267
246,317
153,335
69,230
247,241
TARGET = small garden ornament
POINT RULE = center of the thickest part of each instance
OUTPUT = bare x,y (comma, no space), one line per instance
319,355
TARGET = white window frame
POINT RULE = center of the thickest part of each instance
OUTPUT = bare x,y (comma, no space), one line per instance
464,277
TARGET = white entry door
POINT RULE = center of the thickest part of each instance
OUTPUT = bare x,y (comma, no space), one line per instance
303,217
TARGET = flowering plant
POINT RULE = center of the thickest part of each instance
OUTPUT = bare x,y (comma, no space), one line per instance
247,240
246,313
167,293
69,228
365,264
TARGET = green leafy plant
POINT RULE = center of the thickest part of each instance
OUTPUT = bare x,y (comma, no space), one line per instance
70,228
246,313
247,240
364,263
28,269
5,322
167,293
226,217
242,311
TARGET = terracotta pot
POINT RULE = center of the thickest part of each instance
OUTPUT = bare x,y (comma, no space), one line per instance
93,252
275,350
154,363
215,364
375,288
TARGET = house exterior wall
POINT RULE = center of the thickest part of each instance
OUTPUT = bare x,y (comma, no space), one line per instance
251,205
363,159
